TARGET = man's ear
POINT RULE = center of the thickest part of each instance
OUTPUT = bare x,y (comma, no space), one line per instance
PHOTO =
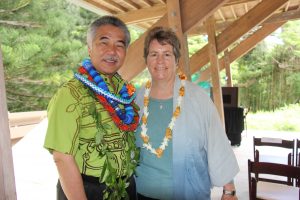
89,51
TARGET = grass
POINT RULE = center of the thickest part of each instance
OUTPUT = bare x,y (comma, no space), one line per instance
283,119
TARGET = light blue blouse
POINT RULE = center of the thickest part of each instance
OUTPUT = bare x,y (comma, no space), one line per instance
202,155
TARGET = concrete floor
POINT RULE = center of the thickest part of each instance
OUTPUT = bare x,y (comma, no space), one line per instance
36,174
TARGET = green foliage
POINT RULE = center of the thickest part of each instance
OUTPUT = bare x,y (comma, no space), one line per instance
41,49
268,75
282,119
43,42
195,43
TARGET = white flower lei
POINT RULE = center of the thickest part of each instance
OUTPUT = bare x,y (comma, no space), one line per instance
168,134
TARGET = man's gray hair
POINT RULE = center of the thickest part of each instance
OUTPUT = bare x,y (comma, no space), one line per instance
107,20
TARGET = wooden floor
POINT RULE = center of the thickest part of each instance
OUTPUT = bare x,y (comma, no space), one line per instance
36,174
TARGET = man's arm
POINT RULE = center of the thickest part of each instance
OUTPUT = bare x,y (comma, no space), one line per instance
229,192
69,176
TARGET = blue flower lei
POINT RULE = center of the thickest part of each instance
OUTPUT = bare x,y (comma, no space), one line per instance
100,87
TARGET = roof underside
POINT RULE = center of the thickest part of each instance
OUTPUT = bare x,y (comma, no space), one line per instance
144,13
238,25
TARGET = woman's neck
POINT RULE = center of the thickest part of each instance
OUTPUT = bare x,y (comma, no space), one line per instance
162,90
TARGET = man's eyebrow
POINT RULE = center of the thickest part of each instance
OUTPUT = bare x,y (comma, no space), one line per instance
103,38
123,42
106,38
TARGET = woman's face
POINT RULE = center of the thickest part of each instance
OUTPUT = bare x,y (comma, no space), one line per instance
161,61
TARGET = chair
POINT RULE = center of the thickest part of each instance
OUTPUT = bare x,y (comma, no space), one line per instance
266,190
274,145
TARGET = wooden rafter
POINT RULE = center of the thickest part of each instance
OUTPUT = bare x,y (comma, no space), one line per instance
132,4
213,57
227,68
246,7
282,17
233,12
148,3
236,30
221,14
190,15
285,16
174,21
244,47
234,2
98,5
287,6
115,5
143,15
162,1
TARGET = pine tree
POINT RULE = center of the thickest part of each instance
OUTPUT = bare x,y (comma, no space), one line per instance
42,42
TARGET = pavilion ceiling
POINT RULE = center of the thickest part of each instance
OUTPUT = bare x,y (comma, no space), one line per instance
145,13
239,25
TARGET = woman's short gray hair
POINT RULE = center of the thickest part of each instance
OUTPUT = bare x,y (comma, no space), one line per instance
107,20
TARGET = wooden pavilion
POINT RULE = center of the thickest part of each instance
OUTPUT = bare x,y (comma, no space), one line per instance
233,28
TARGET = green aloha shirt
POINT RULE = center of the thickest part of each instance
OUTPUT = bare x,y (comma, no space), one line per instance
72,128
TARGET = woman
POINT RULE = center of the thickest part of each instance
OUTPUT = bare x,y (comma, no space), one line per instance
184,149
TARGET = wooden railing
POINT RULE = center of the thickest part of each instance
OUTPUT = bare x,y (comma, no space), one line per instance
21,123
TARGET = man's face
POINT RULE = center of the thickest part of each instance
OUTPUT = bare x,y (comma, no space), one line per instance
108,49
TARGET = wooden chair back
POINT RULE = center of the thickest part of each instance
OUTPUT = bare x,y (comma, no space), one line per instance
271,169
276,143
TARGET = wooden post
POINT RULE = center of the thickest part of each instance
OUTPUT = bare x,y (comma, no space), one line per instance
174,20
7,179
227,68
214,65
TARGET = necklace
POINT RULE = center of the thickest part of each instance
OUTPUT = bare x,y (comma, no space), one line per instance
168,133
125,119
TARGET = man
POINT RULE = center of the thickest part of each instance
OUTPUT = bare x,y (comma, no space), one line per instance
91,120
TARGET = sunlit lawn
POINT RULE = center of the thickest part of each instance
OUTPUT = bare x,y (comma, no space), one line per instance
284,119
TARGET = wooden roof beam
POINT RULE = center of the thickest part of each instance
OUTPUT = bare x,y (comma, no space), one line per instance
162,1
234,2
174,21
233,12
236,30
148,3
132,4
190,16
221,14
215,72
115,5
105,8
93,7
227,68
142,15
285,16
246,7
244,47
